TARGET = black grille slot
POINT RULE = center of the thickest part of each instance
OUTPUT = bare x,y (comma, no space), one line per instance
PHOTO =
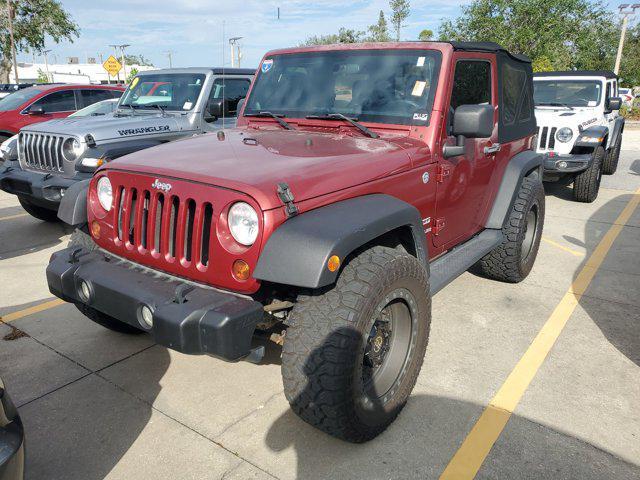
158,224
188,229
144,227
132,215
121,193
543,138
206,234
173,226
552,138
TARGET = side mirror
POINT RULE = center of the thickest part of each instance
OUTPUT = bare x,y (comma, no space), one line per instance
36,110
469,121
614,103
216,109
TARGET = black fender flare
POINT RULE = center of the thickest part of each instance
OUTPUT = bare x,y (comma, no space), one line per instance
521,165
73,206
595,131
618,128
297,252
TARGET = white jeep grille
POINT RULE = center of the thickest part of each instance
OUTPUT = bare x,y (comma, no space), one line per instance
41,151
546,138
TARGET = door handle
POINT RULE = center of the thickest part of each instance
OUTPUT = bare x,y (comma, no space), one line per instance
495,148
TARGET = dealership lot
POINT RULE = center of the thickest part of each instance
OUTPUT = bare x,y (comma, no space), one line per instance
97,404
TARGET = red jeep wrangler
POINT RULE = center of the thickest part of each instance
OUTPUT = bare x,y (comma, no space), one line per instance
361,179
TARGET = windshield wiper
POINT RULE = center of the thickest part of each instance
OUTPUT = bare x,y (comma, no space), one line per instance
555,104
275,116
133,110
159,107
352,121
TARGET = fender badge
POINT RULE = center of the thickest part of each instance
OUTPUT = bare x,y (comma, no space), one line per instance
425,177
165,187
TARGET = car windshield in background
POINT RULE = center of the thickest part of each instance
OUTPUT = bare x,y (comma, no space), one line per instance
571,93
98,108
390,86
15,99
168,91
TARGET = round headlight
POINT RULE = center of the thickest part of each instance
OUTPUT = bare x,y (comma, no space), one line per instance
243,223
105,193
564,135
72,149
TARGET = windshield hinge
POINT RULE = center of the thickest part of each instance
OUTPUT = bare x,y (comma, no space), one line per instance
286,197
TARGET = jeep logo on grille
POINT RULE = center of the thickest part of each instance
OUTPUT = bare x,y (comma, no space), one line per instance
165,187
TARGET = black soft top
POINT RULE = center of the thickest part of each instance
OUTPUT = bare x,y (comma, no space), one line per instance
578,73
488,47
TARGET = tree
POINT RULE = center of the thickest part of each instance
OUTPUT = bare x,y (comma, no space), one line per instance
42,76
132,74
425,35
380,31
567,33
34,22
400,10
137,60
344,35
630,65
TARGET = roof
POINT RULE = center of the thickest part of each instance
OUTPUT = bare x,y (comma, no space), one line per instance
487,47
578,73
44,87
204,70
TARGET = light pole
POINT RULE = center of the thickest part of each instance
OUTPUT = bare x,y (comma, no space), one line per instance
124,66
169,54
626,11
233,41
46,65
10,14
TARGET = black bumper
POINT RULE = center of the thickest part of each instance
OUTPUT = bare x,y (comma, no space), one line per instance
187,318
43,189
559,164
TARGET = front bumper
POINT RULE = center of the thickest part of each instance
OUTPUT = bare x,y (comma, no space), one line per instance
559,164
188,318
43,189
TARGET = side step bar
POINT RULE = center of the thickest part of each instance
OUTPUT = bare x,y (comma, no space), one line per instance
455,262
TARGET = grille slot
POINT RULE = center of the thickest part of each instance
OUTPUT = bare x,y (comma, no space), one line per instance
42,151
552,138
543,138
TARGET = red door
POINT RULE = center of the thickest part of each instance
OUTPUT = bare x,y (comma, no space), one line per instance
58,104
463,181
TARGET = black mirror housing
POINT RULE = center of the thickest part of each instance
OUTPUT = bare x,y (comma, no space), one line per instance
36,110
614,103
217,108
473,121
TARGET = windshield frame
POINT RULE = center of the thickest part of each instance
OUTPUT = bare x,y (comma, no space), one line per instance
22,91
570,80
150,107
432,55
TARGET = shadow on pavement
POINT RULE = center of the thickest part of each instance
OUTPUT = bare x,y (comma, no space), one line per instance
557,189
22,235
634,169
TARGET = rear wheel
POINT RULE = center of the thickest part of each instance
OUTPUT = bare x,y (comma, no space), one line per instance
40,213
586,185
610,164
352,353
514,258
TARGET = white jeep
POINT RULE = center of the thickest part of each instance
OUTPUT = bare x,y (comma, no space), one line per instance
579,128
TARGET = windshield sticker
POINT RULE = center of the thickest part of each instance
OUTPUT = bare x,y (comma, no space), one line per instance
134,82
418,88
592,103
420,62
187,106
421,117
139,131
266,65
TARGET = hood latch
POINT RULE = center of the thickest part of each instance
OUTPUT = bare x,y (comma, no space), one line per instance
286,197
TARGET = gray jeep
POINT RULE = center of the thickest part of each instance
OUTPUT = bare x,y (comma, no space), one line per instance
159,106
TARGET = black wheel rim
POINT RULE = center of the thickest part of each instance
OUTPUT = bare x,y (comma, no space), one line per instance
530,233
389,345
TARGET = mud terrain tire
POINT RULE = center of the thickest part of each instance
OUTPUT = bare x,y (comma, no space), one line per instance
513,259
610,164
328,374
587,184
40,213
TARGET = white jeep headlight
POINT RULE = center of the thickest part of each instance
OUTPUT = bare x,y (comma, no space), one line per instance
564,135
243,223
72,149
105,193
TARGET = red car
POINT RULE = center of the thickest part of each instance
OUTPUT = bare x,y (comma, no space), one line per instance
46,102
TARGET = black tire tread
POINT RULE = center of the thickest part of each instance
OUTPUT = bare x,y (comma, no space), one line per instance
586,185
610,164
83,240
321,344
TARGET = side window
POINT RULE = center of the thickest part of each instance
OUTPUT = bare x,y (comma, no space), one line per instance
233,89
62,101
89,97
471,83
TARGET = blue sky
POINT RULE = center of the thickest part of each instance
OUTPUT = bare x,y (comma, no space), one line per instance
193,29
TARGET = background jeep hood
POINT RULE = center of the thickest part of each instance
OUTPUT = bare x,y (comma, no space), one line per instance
254,162
105,128
563,117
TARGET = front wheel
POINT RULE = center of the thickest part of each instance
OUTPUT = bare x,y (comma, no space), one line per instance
40,213
610,164
586,185
353,352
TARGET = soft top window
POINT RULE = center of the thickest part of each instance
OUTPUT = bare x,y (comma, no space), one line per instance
517,118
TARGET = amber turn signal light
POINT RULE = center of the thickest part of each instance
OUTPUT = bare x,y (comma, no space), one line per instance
241,270
95,229
334,263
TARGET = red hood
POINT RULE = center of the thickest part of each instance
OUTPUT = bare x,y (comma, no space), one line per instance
254,161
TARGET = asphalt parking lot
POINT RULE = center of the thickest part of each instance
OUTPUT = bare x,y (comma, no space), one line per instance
98,404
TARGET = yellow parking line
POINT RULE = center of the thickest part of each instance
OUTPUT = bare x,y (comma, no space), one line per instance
11,217
31,310
562,247
476,446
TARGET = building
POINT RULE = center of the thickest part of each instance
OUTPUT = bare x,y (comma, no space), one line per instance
84,73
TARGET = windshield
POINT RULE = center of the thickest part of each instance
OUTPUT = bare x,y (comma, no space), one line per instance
572,93
15,99
169,91
99,108
383,86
